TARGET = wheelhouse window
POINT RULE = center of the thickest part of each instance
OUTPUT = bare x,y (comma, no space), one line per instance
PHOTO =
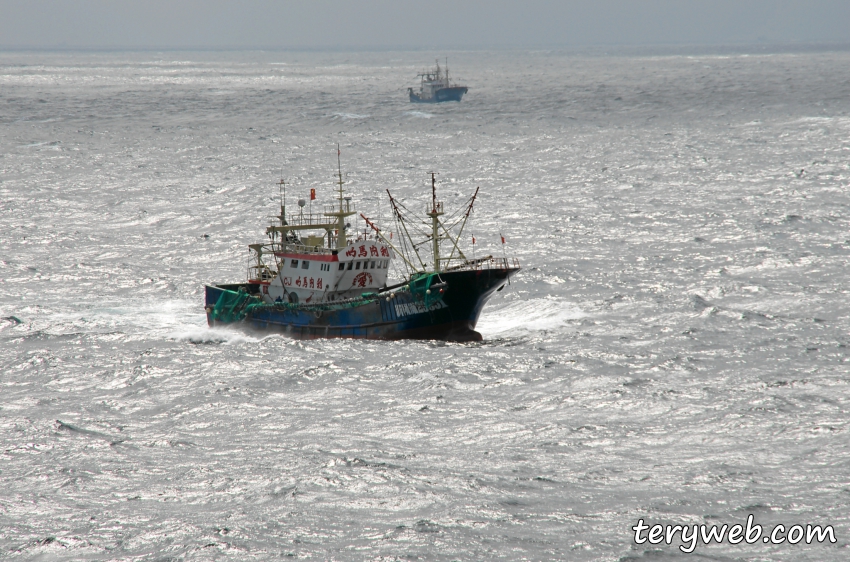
357,266
341,266
372,265
293,263
305,264
350,265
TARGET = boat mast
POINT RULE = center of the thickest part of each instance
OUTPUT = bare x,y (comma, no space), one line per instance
436,211
344,206
282,189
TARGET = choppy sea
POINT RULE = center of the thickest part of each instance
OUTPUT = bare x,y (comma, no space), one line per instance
675,348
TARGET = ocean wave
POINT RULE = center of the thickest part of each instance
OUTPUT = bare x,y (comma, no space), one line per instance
205,335
534,315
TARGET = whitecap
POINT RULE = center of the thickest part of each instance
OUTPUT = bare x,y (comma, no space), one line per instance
203,334
534,315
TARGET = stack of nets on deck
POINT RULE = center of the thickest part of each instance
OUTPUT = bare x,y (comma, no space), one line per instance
419,288
233,306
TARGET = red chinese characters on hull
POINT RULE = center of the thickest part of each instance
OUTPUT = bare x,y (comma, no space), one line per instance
305,282
363,251
362,279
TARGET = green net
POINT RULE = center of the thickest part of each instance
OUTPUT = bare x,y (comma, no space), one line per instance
234,306
419,288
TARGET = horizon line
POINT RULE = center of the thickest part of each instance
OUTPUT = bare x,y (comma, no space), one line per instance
759,46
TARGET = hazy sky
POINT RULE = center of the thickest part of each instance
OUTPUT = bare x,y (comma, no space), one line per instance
417,24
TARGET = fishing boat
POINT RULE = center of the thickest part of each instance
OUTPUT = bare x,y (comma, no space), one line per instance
310,278
435,87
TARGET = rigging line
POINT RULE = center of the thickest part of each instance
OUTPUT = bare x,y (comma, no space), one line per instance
418,219
404,242
399,228
409,254
419,222
410,247
459,210
454,224
459,220
397,271
456,213
422,221
398,214
427,240
468,201
456,247
465,218
380,234
446,229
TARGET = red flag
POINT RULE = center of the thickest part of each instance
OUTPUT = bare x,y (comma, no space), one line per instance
473,239
503,238
312,194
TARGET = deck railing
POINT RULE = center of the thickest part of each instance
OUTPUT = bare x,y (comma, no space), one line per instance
308,219
260,273
488,262
434,207
347,207
304,249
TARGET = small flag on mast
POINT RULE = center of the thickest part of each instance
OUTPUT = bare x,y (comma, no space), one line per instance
502,237
312,194
473,240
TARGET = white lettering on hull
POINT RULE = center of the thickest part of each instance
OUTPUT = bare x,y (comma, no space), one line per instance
411,308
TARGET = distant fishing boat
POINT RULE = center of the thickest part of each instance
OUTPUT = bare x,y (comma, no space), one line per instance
332,286
435,87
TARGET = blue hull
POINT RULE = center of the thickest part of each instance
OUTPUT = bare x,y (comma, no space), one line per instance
453,318
444,94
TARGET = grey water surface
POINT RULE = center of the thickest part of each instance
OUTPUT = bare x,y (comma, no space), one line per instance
674,348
